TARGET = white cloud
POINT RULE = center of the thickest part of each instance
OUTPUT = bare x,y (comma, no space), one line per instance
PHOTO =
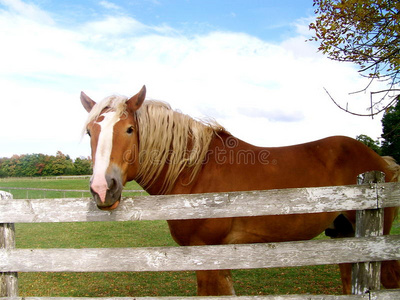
109,5
266,94
114,26
302,25
29,11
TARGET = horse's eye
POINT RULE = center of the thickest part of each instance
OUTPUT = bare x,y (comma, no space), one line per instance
129,130
88,132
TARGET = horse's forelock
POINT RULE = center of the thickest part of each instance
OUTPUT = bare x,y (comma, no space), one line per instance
115,103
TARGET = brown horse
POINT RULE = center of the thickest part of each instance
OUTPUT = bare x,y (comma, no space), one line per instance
168,152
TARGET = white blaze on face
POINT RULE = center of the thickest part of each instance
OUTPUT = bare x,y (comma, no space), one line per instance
103,154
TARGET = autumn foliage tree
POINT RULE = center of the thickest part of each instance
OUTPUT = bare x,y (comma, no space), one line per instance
30,165
367,33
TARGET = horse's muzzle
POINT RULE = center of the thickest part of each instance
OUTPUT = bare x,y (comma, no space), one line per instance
113,194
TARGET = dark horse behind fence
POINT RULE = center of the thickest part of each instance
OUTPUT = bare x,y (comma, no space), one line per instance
168,152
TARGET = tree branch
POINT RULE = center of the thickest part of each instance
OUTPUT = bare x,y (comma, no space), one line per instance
380,60
370,114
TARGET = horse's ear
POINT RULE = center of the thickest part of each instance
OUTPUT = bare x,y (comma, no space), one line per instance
87,102
136,101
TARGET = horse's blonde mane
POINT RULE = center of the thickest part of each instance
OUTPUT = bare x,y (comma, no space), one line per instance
166,138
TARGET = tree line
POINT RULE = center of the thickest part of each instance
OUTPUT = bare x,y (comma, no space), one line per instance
32,165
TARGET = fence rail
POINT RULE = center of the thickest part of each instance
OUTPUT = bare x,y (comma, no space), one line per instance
213,205
194,258
199,206
372,295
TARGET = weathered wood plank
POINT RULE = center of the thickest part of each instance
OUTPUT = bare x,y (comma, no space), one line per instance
378,295
373,295
366,276
385,294
388,194
212,205
8,280
202,257
266,297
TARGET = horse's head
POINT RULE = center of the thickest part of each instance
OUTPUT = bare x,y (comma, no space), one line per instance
112,128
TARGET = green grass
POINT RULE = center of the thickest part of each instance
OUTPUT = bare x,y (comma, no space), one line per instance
60,184
313,279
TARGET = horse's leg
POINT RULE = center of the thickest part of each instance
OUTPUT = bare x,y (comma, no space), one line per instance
390,270
345,275
214,283
205,232
341,228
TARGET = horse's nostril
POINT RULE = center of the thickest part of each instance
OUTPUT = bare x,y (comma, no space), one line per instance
112,185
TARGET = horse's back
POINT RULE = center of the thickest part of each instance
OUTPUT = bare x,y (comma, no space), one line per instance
334,160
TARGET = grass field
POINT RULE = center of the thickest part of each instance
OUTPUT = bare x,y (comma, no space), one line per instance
313,279
61,184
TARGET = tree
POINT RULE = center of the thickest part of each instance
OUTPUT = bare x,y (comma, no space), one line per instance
367,33
44,165
83,166
366,140
60,165
391,132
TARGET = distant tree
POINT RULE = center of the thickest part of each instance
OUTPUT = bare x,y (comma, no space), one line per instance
41,162
29,165
61,165
366,140
83,166
391,132
14,165
3,173
7,167
367,33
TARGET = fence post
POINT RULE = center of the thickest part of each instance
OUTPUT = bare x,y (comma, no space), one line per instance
8,280
366,275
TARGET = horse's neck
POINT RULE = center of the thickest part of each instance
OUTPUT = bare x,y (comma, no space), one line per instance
233,165
157,185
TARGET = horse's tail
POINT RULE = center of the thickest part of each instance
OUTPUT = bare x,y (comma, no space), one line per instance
395,168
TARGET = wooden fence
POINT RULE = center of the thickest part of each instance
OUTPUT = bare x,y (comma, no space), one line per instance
365,251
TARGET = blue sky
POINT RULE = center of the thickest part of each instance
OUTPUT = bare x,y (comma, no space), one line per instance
244,63
268,19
